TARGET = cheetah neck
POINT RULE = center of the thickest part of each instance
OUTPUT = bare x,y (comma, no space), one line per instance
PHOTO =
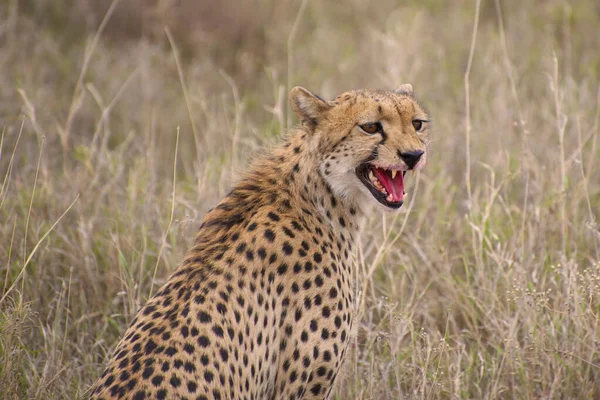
287,180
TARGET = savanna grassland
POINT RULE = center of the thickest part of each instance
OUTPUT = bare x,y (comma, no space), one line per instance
122,125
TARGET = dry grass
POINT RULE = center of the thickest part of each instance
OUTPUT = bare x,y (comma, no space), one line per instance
485,286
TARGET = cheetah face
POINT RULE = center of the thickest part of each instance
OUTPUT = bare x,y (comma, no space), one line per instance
367,141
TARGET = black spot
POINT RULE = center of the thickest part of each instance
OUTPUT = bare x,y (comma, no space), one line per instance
338,322
208,376
297,268
293,376
185,332
307,303
288,232
192,386
203,341
217,330
318,281
204,317
147,372
150,346
124,376
316,389
317,257
157,380
139,395
306,362
171,351
175,381
204,359
318,300
282,269
262,253
189,367
313,325
287,248
224,354
221,308
188,348
161,394
269,235
273,216
286,204
304,336
240,248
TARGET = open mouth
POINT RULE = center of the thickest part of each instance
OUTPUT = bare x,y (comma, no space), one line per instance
386,185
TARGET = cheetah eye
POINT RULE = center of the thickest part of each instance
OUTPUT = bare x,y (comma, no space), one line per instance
418,124
371,127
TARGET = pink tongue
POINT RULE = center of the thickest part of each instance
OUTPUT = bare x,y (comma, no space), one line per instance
393,186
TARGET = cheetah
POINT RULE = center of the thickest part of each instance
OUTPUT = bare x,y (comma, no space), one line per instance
262,305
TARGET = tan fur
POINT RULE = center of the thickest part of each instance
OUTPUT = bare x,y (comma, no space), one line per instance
262,305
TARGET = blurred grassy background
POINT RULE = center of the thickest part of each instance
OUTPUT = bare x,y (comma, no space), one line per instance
485,286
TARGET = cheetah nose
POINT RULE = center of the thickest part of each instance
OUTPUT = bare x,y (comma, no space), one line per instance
411,158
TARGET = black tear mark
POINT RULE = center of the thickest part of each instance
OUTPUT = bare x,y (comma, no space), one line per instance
383,136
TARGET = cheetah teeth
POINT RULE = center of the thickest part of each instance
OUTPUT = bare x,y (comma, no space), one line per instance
372,177
394,172
376,183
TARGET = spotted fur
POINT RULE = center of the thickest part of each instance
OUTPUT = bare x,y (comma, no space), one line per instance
262,305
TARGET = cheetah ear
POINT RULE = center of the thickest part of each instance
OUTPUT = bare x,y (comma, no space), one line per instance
405,89
308,106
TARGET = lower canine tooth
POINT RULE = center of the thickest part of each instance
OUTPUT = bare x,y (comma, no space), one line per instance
371,176
390,198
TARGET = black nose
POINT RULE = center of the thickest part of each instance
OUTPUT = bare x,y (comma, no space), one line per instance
411,158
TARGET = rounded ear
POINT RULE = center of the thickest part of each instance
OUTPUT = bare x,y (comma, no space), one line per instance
308,106
405,89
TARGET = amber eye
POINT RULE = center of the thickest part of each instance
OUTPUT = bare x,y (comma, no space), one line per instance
418,125
371,127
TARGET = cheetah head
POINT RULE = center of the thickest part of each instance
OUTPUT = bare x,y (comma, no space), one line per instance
366,141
